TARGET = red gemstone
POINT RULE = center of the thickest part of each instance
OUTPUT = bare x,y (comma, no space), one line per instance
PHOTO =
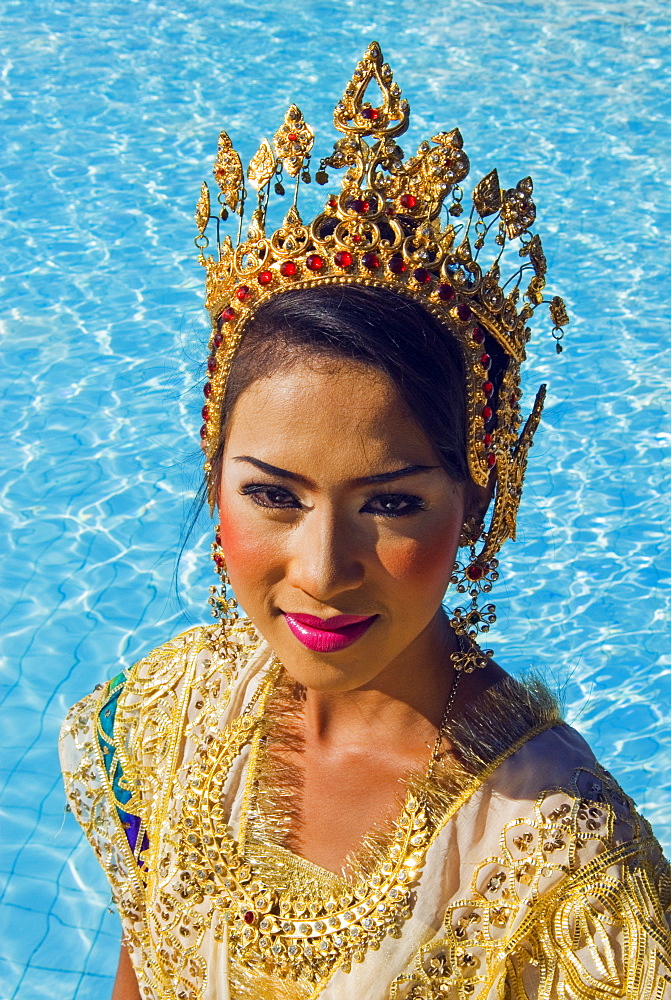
293,137
408,200
203,431
217,538
397,265
218,560
475,572
370,114
488,388
249,917
333,202
370,260
228,315
422,275
343,258
288,269
478,335
314,262
205,413
243,292
356,238
485,361
487,412
211,364
487,440
360,205
265,277
218,339
513,400
446,293
463,311
390,210
207,390
491,460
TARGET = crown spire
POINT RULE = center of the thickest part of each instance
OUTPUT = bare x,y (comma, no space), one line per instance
356,115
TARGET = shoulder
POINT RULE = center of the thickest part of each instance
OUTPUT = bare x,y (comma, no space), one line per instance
552,782
561,880
199,651
138,718
554,778
555,821
160,669
543,801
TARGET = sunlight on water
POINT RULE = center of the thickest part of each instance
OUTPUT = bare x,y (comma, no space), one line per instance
112,111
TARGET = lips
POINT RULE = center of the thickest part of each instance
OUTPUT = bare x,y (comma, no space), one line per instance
327,635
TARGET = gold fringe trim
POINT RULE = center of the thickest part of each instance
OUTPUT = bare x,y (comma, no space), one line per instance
482,735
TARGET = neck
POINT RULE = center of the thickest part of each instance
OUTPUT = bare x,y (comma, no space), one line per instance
403,704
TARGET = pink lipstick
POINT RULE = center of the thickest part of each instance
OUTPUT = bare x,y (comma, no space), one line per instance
327,635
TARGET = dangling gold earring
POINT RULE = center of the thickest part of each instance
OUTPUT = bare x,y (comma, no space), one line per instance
474,577
224,607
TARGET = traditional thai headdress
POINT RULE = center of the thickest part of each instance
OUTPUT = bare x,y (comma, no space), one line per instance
383,230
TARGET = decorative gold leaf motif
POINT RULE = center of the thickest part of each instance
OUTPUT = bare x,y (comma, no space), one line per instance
292,219
256,227
463,253
537,257
227,171
558,312
294,140
432,172
449,162
518,211
203,209
261,166
487,195
388,116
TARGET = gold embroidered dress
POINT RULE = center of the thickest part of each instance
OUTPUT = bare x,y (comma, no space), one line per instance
525,873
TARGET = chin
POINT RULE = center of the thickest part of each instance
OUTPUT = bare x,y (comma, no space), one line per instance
326,678
336,672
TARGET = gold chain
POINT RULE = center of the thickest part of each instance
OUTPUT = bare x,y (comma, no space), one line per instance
442,728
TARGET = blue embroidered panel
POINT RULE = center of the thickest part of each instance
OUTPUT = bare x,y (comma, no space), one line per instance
132,824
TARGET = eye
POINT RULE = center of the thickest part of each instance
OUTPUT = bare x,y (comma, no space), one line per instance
394,504
274,497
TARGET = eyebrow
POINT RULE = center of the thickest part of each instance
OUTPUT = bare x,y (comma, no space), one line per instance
381,477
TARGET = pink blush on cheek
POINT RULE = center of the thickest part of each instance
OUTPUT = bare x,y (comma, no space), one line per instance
419,563
241,545
248,556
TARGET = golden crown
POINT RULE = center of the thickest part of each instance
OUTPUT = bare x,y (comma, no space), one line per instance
383,230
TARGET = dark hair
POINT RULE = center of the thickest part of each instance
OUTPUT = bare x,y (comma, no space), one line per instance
375,326
372,325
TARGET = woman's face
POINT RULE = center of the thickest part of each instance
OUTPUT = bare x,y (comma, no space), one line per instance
333,503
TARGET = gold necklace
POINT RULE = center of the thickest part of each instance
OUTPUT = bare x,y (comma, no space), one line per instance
282,932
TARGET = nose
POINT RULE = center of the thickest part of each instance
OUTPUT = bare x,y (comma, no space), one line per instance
326,557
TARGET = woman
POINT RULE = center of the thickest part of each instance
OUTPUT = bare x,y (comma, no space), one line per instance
343,796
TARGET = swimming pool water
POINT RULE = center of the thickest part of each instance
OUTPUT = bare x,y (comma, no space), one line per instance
111,111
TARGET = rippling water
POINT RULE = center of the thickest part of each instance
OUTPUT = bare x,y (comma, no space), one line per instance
111,112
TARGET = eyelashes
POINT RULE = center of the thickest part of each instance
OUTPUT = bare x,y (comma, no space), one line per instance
274,497
394,504
382,504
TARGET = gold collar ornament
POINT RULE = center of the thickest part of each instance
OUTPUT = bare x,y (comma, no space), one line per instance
383,230
281,932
